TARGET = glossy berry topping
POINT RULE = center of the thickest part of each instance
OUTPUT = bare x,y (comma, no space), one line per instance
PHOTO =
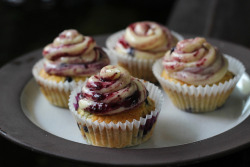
196,62
145,40
72,54
112,91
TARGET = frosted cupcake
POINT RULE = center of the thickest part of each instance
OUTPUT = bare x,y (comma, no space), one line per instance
114,109
197,76
140,45
67,61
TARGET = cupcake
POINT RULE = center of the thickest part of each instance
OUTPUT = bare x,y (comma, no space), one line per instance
67,61
196,76
140,45
114,109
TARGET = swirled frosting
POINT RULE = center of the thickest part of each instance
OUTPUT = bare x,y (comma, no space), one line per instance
72,54
112,91
196,62
145,39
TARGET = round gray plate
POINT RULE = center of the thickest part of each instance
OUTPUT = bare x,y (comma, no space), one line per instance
15,126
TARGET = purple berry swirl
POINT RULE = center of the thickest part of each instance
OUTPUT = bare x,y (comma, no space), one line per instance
111,91
146,39
72,54
196,62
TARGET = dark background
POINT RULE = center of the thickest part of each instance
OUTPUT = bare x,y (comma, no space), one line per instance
35,23
27,25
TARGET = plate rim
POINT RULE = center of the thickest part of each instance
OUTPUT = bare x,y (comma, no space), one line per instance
16,127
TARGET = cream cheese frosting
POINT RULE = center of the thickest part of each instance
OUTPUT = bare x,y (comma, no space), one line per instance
112,91
196,62
148,40
72,54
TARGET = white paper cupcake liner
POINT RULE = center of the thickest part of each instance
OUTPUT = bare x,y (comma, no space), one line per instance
119,134
200,98
140,68
58,93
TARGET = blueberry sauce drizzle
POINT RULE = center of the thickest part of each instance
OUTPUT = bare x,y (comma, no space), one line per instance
78,97
129,49
63,54
123,43
80,69
109,79
85,65
99,85
111,91
101,108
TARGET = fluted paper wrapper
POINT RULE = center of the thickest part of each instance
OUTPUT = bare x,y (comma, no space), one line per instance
140,68
120,134
56,93
200,98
